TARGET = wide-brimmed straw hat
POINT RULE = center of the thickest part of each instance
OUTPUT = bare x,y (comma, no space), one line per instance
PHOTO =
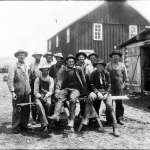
58,55
43,67
48,53
81,53
21,51
115,52
36,54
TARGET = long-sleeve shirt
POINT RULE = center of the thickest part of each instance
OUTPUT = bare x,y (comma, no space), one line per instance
18,78
37,86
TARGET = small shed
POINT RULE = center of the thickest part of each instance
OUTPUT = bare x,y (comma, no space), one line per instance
136,55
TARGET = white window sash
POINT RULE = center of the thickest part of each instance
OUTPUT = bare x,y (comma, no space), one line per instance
49,45
133,31
57,41
97,31
68,35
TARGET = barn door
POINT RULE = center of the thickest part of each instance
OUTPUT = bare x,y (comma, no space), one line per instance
134,69
145,63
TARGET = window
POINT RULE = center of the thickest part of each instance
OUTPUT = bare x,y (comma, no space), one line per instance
132,31
97,31
68,35
49,44
57,41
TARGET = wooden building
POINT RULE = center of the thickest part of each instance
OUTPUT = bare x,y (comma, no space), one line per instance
136,52
110,24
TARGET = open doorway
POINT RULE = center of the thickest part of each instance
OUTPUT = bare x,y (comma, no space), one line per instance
145,52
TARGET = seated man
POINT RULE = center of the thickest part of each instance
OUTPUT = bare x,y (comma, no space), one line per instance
100,84
43,89
71,83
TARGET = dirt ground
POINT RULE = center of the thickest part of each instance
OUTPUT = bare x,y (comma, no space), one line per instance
135,134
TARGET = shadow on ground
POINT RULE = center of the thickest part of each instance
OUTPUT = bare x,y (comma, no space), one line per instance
140,101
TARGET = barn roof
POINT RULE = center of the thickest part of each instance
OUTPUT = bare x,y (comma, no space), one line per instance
113,12
142,36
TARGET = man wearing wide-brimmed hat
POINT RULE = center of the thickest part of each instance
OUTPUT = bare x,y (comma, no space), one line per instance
34,73
48,59
55,68
118,76
100,84
71,84
43,90
19,86
92,57
81,56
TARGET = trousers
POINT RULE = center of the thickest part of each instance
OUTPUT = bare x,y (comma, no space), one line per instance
43,110
20,118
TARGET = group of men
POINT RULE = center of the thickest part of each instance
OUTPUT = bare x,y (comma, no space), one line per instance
55,86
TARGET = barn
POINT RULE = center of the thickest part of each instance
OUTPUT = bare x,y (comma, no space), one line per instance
110,24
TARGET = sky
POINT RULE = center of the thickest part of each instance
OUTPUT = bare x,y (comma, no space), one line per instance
28,24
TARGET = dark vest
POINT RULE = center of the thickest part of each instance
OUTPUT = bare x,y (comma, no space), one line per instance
43,86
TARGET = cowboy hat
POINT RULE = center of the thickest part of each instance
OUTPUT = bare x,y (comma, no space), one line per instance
43,67
20,51
81,53
115,52
58,55
100,61
36,53
48,53
70,56
92,54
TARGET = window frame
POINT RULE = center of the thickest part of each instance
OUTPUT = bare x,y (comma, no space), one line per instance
97,31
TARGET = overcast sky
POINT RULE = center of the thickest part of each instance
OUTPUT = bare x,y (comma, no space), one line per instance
28,25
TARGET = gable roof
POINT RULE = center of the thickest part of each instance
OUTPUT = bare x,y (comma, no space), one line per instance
113,12
142,36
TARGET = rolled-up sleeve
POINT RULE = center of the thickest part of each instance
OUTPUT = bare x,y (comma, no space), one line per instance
11,74
51,87
36,88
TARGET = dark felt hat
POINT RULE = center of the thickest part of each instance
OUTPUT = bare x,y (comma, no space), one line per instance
115,52
70,56
92,54
81,53
100,61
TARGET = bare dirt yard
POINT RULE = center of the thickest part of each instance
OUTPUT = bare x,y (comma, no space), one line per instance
135,134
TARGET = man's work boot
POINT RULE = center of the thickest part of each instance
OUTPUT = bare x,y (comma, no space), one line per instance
116,132
120,122
45,129
85,121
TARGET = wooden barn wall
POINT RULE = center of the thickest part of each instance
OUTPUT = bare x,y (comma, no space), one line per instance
81,38
113,34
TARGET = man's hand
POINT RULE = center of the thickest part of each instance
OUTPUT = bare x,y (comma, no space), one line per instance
57,93
45,97
14,97
100,96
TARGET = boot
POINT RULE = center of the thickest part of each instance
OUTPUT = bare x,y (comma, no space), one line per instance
116,132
